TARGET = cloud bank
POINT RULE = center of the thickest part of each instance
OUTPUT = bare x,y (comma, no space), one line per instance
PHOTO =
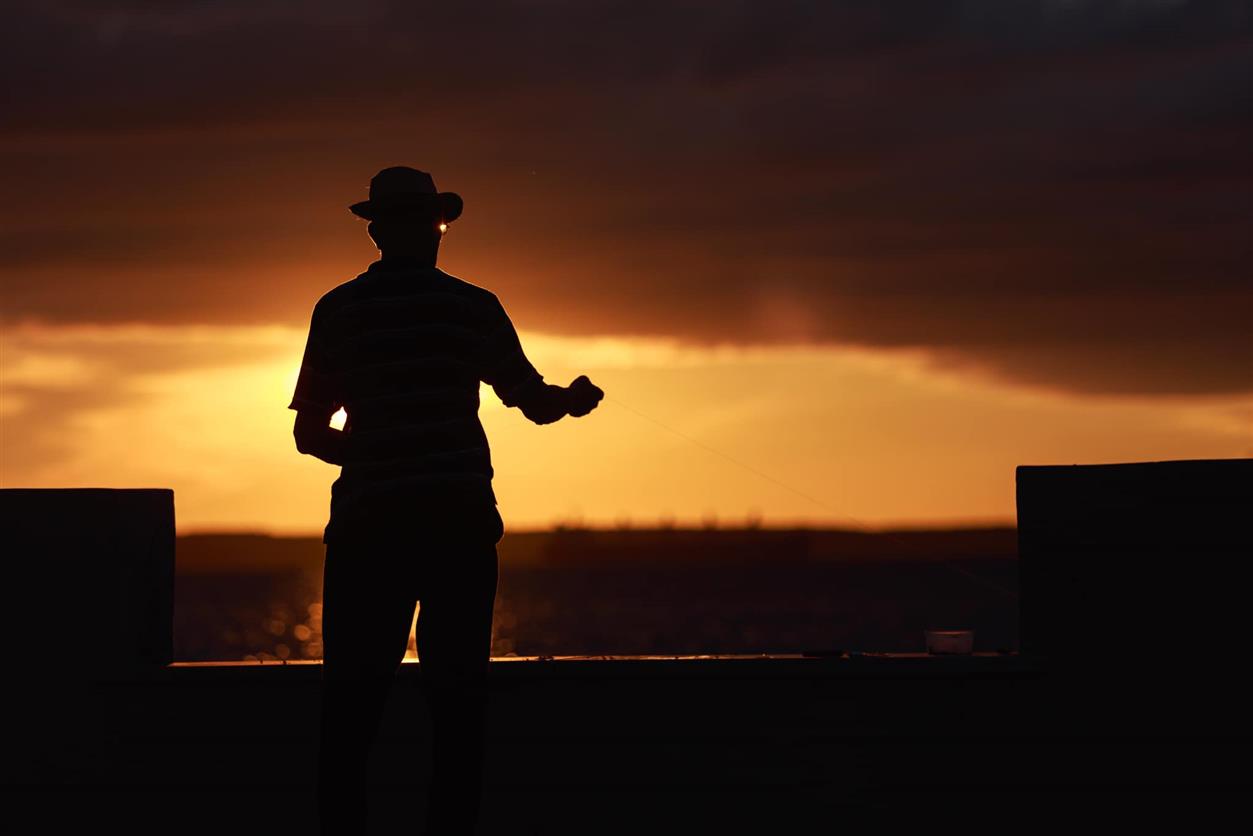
1060,194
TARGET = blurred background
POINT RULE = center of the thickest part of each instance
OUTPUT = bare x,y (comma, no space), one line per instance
655,591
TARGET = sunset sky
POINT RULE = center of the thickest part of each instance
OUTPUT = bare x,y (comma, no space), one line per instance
832,263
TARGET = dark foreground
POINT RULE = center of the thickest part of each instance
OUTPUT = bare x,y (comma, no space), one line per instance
1127,705
745,745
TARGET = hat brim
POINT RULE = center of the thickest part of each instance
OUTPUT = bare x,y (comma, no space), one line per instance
447,205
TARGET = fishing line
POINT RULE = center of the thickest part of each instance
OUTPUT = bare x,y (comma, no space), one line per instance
840,515
731,459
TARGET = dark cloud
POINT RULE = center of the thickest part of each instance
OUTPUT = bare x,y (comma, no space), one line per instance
1061,193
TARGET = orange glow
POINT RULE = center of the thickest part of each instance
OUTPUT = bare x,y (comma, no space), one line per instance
877,438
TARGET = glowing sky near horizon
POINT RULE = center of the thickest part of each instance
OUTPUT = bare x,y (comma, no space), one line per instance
861,438
881,255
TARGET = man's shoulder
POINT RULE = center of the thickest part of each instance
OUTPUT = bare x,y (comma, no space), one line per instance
361,287
338,295
474,292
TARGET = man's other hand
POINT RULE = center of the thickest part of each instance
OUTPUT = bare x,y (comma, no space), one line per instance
584,395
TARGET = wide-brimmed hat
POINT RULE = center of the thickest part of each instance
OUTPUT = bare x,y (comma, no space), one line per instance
401,188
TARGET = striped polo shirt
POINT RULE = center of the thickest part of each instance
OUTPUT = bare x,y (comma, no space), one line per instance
402,349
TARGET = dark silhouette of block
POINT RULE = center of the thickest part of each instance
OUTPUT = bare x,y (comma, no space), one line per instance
1136,566
91,580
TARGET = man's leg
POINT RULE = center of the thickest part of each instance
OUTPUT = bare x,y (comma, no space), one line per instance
454,638
367,610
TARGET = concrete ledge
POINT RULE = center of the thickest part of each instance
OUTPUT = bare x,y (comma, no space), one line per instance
722,744
774,666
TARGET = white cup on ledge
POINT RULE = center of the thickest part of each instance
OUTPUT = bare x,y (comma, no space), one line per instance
950,642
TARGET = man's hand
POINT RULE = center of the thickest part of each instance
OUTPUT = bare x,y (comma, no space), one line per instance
583,396
546,404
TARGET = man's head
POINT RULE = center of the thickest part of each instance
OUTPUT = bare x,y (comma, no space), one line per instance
407,233
407,214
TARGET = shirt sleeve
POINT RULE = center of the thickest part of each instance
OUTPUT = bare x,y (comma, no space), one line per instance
505,365
315,384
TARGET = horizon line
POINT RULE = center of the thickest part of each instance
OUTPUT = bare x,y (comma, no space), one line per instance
977,524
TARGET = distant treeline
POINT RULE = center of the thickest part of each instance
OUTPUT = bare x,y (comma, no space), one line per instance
590,547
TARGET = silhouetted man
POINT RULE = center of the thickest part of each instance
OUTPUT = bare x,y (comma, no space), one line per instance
413,517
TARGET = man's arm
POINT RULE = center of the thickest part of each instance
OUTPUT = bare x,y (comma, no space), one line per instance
316,437
517,383
544,403
316,399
